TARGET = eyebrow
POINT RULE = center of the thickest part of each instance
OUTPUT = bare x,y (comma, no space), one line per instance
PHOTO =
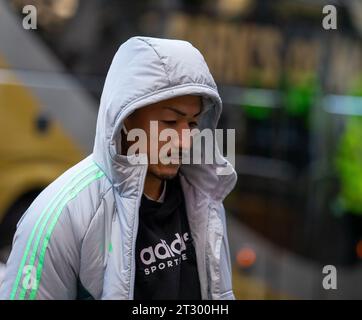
182,113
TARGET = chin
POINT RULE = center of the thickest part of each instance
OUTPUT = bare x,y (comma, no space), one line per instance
166,172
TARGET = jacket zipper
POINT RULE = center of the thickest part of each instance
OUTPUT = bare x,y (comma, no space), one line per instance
134,238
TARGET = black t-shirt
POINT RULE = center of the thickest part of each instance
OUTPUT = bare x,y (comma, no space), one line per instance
166,265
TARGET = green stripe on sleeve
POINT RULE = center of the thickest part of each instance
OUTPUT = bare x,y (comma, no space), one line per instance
72,195
51,204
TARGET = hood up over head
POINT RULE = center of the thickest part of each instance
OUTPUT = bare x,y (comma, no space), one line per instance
144,71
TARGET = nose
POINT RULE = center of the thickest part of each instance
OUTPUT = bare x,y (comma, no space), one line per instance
183,141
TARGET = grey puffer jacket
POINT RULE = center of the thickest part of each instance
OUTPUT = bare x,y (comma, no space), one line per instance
82,228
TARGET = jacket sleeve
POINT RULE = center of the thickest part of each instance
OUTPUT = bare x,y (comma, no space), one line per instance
44,259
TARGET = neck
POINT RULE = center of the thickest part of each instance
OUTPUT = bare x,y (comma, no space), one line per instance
153,186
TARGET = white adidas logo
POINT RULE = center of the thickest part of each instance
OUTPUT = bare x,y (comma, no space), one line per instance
162,251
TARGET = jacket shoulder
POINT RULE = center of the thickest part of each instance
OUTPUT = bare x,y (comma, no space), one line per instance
50,233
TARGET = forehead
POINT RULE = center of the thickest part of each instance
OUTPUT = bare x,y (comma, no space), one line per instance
188,104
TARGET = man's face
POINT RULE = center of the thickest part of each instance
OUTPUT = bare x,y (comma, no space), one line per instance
178,113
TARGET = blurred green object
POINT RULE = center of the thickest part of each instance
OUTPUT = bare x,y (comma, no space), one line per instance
257,103
299,98
257,112
349,162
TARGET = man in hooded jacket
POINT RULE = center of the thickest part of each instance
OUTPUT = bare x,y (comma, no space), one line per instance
113,228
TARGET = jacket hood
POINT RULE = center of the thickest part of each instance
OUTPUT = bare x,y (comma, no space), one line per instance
147,70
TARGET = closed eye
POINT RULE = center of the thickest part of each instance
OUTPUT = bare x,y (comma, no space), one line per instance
169,122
